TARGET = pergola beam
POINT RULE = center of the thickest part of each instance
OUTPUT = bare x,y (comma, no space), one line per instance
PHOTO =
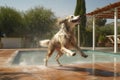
106,8
111,11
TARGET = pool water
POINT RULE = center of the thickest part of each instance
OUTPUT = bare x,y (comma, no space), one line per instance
35,57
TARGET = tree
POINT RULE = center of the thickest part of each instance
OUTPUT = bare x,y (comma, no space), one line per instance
81,10
100,22
10,21
39,21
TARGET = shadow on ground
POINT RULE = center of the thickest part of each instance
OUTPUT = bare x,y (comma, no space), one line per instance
95,72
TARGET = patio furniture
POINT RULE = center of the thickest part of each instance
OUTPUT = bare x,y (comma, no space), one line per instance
111,39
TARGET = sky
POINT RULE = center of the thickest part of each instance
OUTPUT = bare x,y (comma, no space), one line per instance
61,8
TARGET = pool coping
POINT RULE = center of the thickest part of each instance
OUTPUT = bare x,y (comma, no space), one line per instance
10,60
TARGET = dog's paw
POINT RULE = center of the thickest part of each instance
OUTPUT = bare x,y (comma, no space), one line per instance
60,65
73,54
45,62
85,56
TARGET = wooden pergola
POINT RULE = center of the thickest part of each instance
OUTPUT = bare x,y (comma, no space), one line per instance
111,11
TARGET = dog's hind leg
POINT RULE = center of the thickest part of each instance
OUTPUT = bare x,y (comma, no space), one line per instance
58,56
50,51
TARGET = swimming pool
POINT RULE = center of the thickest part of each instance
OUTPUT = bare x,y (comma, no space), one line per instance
35,57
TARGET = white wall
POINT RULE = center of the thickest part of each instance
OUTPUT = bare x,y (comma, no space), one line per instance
12,42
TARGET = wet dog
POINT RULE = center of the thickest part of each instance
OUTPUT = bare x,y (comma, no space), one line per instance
63,40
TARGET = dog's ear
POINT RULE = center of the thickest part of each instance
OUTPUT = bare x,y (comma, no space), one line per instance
62,21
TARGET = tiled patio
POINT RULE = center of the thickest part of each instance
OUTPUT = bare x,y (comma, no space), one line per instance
101,71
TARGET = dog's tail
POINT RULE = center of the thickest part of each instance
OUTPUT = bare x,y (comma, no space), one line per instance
44,43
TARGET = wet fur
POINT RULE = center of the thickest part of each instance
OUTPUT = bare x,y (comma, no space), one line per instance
64,39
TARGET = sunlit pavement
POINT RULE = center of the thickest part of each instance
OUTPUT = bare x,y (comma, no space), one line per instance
97,71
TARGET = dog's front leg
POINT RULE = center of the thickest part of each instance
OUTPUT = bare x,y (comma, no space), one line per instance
67,51
63,43
74,44
81,52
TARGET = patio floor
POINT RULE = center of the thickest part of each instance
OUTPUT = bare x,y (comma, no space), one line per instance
101,71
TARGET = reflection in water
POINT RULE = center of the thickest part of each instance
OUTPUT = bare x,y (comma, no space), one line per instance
22,63
115,68
93,63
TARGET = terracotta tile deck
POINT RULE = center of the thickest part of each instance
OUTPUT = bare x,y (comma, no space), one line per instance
102,71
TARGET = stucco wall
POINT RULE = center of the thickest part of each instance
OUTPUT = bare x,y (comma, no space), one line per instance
12,42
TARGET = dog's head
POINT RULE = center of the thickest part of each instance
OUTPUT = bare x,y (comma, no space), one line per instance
71,21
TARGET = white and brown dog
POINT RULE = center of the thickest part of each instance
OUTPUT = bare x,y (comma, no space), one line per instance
63,40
